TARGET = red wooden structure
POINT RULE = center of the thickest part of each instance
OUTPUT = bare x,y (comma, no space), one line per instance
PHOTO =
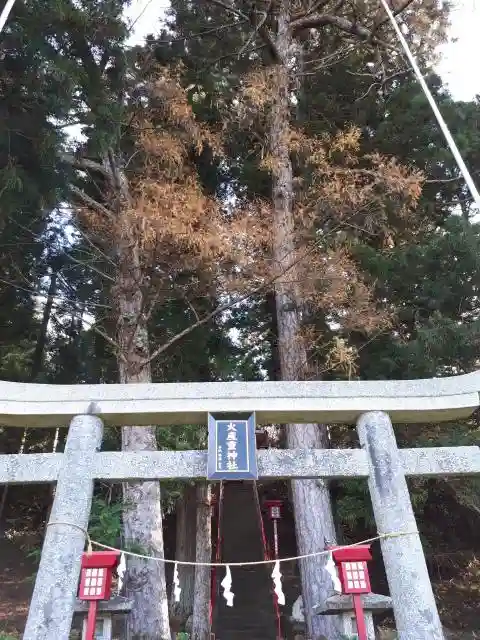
96,583
353,572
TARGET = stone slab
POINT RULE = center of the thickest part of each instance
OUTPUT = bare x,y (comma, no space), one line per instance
272,463
341,602
38,405
30,467
117,604
441,461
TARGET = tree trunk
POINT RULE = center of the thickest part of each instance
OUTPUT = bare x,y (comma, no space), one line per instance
185,551
37,362
311,500
142,517
201,605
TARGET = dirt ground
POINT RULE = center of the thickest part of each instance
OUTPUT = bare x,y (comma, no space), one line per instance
459,596
16,585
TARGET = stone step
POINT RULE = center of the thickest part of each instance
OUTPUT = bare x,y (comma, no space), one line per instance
252,615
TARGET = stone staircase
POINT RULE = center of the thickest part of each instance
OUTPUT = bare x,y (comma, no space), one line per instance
252,616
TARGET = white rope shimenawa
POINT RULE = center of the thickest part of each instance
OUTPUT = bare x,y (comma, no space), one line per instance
443,125
277,583
227,580
176,584
226,583
331,569
184,563
121,569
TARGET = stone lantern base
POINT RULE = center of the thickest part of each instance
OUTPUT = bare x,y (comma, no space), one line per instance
107,609
342,605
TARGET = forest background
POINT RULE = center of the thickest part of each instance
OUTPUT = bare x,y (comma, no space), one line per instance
257,191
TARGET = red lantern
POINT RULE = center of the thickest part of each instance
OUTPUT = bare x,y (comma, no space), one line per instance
275,513
274,508
213,505
96,582
353,571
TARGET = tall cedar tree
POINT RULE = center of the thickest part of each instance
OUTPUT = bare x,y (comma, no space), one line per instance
273,38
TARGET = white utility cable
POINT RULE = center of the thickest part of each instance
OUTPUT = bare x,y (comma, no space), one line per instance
5,13
443,125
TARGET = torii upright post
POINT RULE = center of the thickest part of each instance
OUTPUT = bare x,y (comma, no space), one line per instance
414,604
51,609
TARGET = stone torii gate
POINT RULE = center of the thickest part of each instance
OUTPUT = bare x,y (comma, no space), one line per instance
372,405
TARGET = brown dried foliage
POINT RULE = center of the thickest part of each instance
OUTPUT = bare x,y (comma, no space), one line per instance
342,197
348,198
169,207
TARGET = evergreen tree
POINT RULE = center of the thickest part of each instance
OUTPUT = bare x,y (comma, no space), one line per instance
139,274
286,37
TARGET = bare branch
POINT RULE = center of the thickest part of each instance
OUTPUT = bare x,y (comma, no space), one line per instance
328,61
316,20
259,28
191,307
153,304
445,180
220,309
92,268
90,202
314,8
343,24
93,245
378,83
196,325
200,34
225,57
70,123
405,4
230,9
86,165
14,285
105,336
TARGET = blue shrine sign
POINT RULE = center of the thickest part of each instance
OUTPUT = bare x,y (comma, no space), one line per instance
232,447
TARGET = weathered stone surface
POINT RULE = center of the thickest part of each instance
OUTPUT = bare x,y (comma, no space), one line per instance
342,602
53,601
113,612
414,604
24,404
117,604
32,467
272,463
441,461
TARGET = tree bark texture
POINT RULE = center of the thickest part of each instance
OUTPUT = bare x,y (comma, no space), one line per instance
142,517
37,362
185,551
311,499
201,605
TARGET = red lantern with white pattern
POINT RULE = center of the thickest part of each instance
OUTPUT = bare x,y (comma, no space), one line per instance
96,582
275,513
274,509
353,569
353,572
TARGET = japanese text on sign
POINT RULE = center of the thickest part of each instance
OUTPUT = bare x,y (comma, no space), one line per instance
232,449
232,445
